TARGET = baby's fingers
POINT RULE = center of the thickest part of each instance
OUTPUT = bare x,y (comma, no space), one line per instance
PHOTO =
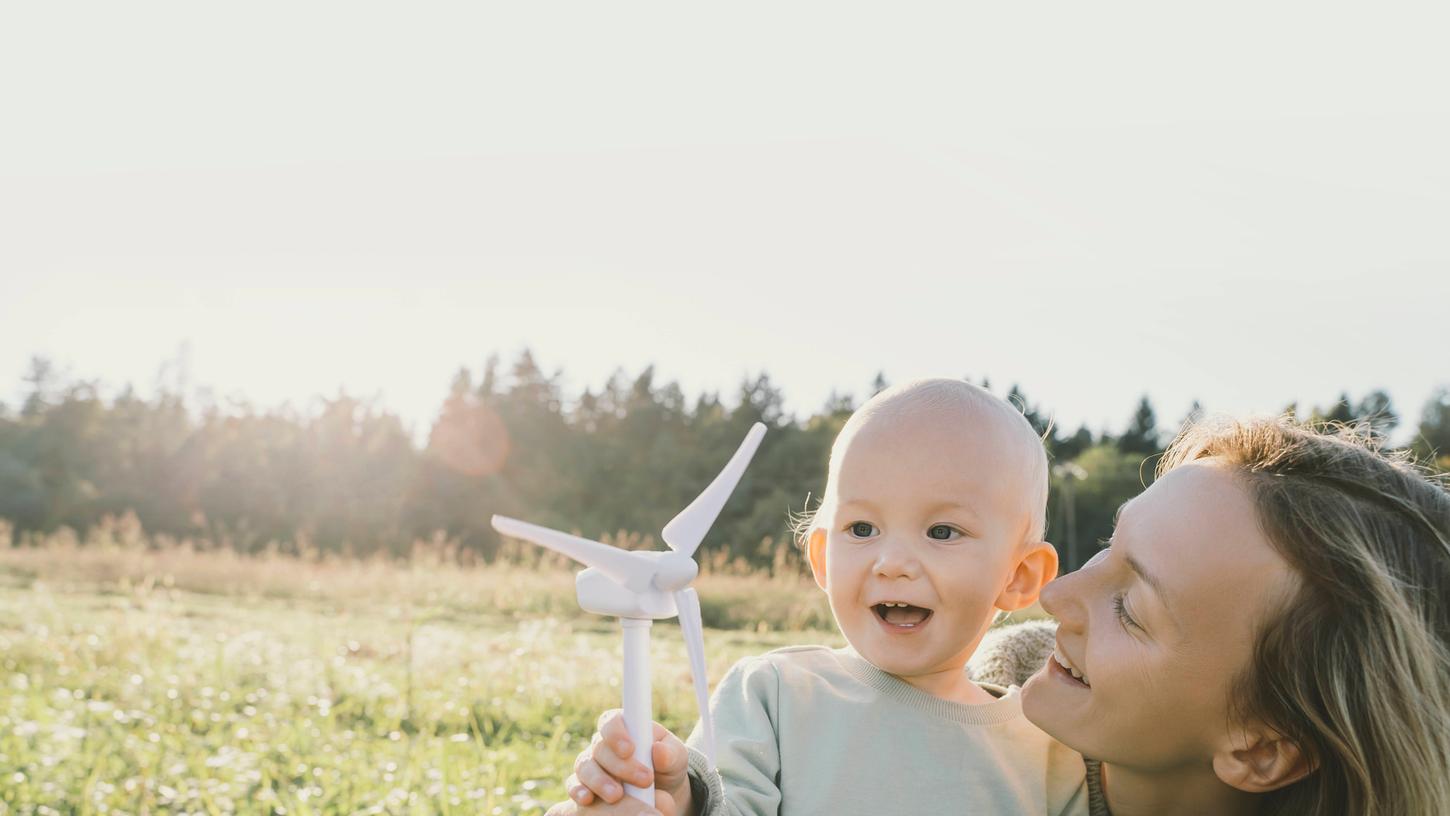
612,730
622,768
578,791
590,778
614,733
664,806
670,757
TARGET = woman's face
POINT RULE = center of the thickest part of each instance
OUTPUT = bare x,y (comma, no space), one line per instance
1160,624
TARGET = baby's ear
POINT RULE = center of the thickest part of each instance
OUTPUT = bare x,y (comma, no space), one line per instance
1037,566
816,554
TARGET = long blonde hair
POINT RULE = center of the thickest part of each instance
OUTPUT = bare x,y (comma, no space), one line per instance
1355,668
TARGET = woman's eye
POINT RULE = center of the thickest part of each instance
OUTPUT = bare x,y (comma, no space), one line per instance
862,529
1120,605
943,532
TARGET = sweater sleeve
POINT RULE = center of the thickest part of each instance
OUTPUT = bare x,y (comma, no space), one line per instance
1009,655
747,782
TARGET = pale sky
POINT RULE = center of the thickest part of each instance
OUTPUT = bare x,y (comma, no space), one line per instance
1238,203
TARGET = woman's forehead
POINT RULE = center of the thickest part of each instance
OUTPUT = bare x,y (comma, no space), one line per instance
1196,530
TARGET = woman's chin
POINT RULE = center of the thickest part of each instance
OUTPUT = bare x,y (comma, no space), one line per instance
1045,705
1033,685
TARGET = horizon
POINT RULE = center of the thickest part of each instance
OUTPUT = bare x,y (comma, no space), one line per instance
174,377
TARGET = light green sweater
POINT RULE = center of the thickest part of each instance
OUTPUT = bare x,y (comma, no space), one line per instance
818,732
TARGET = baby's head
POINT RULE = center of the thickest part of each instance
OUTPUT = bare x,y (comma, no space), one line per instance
931,522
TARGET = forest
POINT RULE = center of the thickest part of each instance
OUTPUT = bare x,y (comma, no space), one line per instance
617,461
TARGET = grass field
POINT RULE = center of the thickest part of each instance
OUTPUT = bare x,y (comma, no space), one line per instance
140,680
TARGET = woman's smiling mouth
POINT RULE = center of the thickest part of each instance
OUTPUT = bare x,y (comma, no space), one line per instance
900,616
1062,667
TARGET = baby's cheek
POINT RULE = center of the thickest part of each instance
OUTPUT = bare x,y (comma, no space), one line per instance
846,563
984,587
842,579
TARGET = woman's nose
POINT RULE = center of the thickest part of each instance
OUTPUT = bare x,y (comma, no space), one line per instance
1062,599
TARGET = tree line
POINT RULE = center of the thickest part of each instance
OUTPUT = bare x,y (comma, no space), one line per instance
618,460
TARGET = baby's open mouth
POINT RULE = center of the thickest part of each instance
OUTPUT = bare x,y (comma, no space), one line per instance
898,613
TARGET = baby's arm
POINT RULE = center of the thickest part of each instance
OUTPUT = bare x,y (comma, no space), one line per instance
746,780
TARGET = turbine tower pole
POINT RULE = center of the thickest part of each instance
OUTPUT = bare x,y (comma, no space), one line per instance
637,699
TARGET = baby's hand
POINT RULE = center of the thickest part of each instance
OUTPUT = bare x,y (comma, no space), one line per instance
624,807
603,768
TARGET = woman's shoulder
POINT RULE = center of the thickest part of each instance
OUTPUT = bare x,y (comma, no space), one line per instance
1010,654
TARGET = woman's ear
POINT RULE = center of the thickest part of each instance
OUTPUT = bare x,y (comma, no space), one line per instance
1037,566
1259,759
816,554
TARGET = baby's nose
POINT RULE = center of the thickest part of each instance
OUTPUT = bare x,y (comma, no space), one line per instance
895,560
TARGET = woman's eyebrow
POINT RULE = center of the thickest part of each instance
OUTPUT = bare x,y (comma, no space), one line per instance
1152,581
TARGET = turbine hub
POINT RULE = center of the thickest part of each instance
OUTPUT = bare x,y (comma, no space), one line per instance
675,571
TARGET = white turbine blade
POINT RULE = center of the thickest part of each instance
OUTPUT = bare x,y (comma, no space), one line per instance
685,531
622,566
688,604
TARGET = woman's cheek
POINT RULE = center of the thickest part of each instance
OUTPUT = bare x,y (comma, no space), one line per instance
1131,682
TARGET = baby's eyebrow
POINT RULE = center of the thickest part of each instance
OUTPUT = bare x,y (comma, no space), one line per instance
953,505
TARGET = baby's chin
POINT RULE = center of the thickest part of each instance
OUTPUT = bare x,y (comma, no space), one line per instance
901,660
904,669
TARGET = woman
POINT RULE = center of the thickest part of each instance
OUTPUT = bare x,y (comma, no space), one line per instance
1269,632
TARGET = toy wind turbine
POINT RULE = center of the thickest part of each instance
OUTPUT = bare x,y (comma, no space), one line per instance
640,587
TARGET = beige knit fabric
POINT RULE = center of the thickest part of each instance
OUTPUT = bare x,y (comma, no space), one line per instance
1008,656
1097,802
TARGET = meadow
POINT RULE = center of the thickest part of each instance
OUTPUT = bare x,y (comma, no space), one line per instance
144,675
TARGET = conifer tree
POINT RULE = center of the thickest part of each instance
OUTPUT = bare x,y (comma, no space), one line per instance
1142,436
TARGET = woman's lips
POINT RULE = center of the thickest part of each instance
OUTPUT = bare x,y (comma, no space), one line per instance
1061,674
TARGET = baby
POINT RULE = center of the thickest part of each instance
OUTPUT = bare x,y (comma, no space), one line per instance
932,522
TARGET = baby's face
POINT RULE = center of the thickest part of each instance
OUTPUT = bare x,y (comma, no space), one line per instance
923,523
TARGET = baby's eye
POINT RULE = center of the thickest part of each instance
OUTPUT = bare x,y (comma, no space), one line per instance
862,529
943,532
